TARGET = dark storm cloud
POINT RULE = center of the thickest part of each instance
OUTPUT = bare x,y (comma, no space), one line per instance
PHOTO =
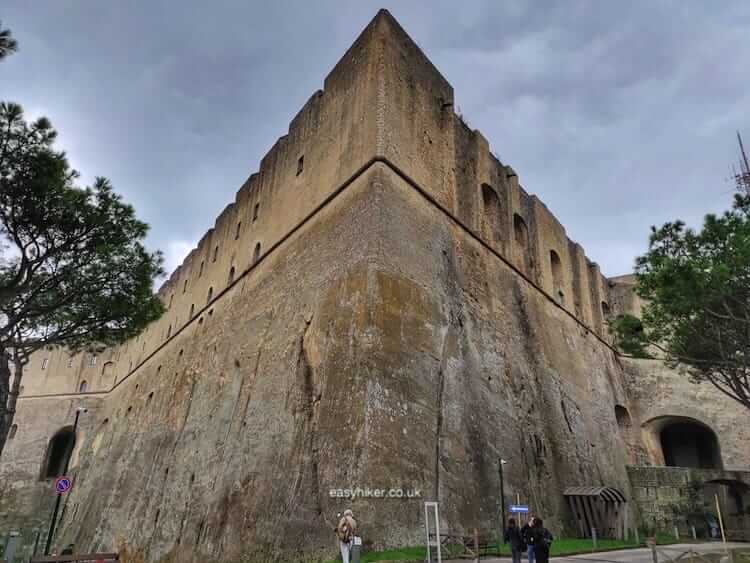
617,115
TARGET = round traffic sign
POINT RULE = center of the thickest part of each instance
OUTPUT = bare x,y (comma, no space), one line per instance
63,484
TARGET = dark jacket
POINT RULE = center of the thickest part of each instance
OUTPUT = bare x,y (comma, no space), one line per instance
525,533
514,538
541,539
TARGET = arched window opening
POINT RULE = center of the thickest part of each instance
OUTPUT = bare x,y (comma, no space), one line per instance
231,274
521,239
256,253
605,311
688,443
83,386
216,253
192,310
623,417
210,294
59,449
92,361
491,213
12,431
520,231
45,363
557,276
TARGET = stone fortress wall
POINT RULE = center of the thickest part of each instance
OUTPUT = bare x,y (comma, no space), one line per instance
334,135
382,268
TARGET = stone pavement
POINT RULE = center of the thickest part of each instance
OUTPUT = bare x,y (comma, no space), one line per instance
640,555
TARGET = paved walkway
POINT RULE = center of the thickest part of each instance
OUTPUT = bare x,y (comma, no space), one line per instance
640,555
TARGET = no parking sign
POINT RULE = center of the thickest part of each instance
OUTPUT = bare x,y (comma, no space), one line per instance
63,484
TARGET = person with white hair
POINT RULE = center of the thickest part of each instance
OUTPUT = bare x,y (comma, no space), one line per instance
345,533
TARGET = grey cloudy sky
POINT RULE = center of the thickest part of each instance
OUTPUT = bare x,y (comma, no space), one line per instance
618,115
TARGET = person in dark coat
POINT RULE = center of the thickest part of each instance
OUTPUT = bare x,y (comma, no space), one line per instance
526,537
513,537
541,539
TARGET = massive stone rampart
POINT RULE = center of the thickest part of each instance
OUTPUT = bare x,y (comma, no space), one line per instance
411,316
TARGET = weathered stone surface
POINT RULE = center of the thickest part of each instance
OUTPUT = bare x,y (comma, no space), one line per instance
404,325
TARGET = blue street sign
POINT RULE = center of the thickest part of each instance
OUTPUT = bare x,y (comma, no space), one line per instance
63,484
519,508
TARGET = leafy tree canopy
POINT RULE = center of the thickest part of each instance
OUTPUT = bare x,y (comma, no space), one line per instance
8,45
696,287
73,268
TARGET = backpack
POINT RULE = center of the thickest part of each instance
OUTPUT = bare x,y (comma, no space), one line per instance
345,532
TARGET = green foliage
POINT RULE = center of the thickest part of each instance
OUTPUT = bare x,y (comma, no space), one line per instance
696,286
8,45
630,335
73,269
561,546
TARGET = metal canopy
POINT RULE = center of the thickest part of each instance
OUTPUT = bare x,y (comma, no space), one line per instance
603,509
607,493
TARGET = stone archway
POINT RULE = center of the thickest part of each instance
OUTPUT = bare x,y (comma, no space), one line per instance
58,453
733,498
682,441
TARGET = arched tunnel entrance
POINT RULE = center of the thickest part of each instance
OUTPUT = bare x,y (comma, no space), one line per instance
688,443
58,453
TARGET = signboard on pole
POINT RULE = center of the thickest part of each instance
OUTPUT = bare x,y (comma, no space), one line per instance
519,508
63,484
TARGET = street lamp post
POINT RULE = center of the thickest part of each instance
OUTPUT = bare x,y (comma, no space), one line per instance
502,496
52,525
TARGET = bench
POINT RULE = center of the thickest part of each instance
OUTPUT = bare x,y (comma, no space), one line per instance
78,558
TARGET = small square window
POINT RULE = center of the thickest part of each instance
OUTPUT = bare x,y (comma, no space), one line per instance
300,165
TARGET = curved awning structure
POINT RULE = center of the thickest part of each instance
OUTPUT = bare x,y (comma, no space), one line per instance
607,493
603,509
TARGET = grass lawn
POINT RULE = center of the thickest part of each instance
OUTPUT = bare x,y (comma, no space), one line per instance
562,546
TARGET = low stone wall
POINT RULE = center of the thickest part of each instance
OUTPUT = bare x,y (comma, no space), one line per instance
666,497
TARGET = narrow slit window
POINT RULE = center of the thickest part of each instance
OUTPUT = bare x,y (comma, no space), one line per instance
256,211
256,253
216,253
300,165
239,229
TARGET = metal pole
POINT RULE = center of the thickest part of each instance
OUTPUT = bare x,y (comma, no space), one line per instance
721,522
52,525
502,496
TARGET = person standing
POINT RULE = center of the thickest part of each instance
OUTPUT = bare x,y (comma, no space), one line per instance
542,540
513,537
526,537
345,533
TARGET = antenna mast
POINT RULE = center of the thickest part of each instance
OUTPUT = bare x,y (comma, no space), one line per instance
742,179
